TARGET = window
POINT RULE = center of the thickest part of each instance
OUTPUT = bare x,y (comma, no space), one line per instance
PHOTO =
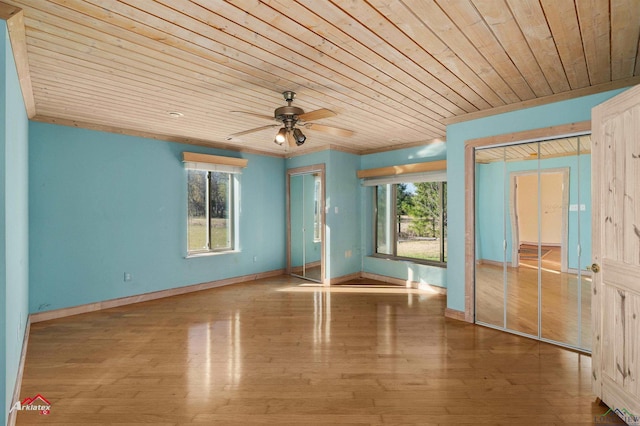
211,202
411,220
210,224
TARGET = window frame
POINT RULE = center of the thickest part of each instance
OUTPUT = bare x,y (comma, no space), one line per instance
232,217
393,217
209,163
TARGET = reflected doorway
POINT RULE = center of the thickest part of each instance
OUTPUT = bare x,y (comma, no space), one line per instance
305,222
548,217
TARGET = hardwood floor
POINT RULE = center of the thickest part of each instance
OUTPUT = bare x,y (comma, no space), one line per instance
283,351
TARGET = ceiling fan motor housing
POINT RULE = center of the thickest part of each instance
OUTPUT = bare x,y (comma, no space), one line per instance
288,115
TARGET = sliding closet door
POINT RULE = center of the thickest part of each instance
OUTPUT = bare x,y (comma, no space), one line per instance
297,232
533,235
583,251
559,288
490,237
522,239
565,248
305,230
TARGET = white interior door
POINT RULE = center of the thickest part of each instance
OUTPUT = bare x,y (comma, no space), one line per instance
616,253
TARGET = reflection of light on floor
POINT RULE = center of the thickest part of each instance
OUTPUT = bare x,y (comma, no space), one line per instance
524,265
207,343
321,319
553,271
234,353
199,350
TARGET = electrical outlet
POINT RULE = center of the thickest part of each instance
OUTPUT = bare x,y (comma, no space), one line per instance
127,276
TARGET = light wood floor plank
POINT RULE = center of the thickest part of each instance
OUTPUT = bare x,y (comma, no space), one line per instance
275,352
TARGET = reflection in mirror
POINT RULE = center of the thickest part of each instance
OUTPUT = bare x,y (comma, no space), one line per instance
490,226
523,237
565,317
306,225
559,289
533,201
584,239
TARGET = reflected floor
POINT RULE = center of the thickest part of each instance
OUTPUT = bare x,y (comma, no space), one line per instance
560,308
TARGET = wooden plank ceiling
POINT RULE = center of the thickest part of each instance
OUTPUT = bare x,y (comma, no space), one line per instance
394,71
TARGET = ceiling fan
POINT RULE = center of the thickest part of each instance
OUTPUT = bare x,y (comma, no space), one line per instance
291,119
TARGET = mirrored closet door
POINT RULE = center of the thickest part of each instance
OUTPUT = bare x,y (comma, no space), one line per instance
533,239
305,225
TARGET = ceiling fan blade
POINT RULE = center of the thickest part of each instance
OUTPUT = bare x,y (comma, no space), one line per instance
335,131
290,139
266,117
246,132
317,114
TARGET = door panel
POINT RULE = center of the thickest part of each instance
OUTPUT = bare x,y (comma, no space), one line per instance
305,227
490,227
523,239
616,248
583,251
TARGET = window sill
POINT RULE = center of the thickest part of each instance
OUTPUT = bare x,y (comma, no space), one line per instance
210,253
410,260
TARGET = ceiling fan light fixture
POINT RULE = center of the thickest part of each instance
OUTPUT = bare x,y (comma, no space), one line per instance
281,137
299,136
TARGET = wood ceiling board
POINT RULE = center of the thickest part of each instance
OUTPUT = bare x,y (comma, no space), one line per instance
595,27
357,37
407,21
624,44
434,18
562,18
535,29
500,20
393,79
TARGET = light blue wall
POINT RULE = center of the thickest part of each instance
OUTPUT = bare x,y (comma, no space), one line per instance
14,222
104,204
404,270
343,214
574,110
493,201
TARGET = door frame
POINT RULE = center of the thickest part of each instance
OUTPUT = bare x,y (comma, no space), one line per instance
565,130
318,169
